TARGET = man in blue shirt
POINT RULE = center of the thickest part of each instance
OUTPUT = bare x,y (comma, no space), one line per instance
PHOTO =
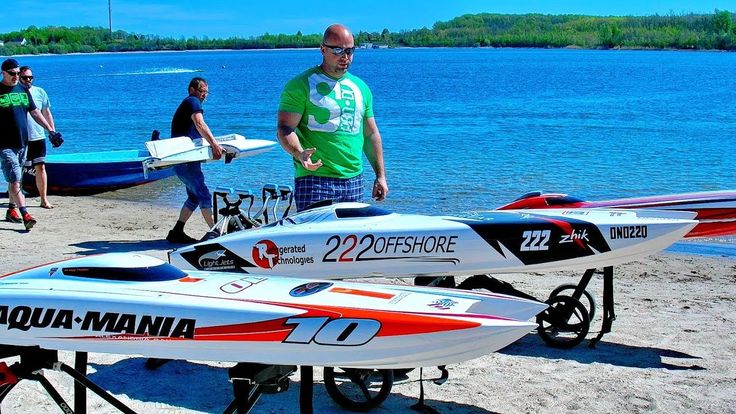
189,121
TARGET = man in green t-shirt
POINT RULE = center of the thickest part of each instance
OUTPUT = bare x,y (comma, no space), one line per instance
326,114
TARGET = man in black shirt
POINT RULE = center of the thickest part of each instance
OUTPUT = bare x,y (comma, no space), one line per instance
189,121
15,104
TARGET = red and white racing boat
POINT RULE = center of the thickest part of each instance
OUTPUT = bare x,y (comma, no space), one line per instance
716,210
133,304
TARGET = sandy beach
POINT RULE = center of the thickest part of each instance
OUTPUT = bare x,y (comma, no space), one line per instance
672,348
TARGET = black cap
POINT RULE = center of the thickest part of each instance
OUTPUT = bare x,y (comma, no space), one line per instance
10,64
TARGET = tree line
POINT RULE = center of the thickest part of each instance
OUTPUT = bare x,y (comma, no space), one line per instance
714,31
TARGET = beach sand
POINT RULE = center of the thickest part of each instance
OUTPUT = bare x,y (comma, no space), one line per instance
672,348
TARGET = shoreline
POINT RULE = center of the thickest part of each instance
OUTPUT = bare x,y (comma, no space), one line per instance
568,47
670,350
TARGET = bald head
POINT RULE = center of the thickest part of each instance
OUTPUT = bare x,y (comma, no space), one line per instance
337,34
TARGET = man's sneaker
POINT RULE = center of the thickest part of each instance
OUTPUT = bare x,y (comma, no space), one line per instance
180,237
28,221
12,216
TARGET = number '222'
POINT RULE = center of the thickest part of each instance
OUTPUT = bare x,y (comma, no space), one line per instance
535,240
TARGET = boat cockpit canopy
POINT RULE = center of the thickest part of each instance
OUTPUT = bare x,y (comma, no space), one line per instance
158,273
367,211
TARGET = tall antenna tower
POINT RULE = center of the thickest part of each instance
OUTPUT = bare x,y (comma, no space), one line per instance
109,15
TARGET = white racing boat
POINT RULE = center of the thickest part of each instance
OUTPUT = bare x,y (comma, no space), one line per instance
355,240
178,150
133,304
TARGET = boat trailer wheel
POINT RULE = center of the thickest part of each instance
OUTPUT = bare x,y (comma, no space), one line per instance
358,389
588,297
564,324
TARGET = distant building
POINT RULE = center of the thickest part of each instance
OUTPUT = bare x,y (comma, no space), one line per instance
16,42
366,45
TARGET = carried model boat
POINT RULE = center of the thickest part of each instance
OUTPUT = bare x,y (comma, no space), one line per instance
133,304
350,240
97,172
716,210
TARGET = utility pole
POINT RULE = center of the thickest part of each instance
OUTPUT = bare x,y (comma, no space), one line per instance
109,15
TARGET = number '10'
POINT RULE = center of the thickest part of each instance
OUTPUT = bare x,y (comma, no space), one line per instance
325,331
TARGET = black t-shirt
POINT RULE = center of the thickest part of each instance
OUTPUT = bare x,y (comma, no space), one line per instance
15,103
182,124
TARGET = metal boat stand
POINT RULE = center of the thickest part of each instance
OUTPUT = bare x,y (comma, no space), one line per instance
33,360
571,307
231,217
563,308
249,380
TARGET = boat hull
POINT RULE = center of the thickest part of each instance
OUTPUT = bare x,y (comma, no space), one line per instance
352,240
716,210
82,305
91,173
94,172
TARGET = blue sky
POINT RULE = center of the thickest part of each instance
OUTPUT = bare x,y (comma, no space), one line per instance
244,18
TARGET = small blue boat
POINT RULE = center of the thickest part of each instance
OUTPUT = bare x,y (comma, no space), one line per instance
90,173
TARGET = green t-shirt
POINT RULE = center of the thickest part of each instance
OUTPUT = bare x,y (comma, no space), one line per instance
333,111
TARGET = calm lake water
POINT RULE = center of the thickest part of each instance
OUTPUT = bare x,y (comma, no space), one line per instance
463,129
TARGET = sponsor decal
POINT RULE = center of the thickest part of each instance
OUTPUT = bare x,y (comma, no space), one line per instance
575,212
25,317
240,285
443,304
399,298
266,254
575,235
351,248
215,257
309,289
216,260
629,232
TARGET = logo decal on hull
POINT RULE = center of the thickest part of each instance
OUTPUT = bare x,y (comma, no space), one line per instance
216,260
443,304
265,254
215,257
309,289
24,318
352,248
575,235
237,286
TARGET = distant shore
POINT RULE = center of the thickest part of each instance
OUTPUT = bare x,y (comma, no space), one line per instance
569,47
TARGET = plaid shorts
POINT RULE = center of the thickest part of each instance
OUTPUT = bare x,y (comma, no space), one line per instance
311,189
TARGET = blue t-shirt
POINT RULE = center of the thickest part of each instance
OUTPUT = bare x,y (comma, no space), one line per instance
182,124
15,103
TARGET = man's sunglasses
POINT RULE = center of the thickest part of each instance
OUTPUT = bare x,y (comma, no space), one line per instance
13,73
338,51
27,78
